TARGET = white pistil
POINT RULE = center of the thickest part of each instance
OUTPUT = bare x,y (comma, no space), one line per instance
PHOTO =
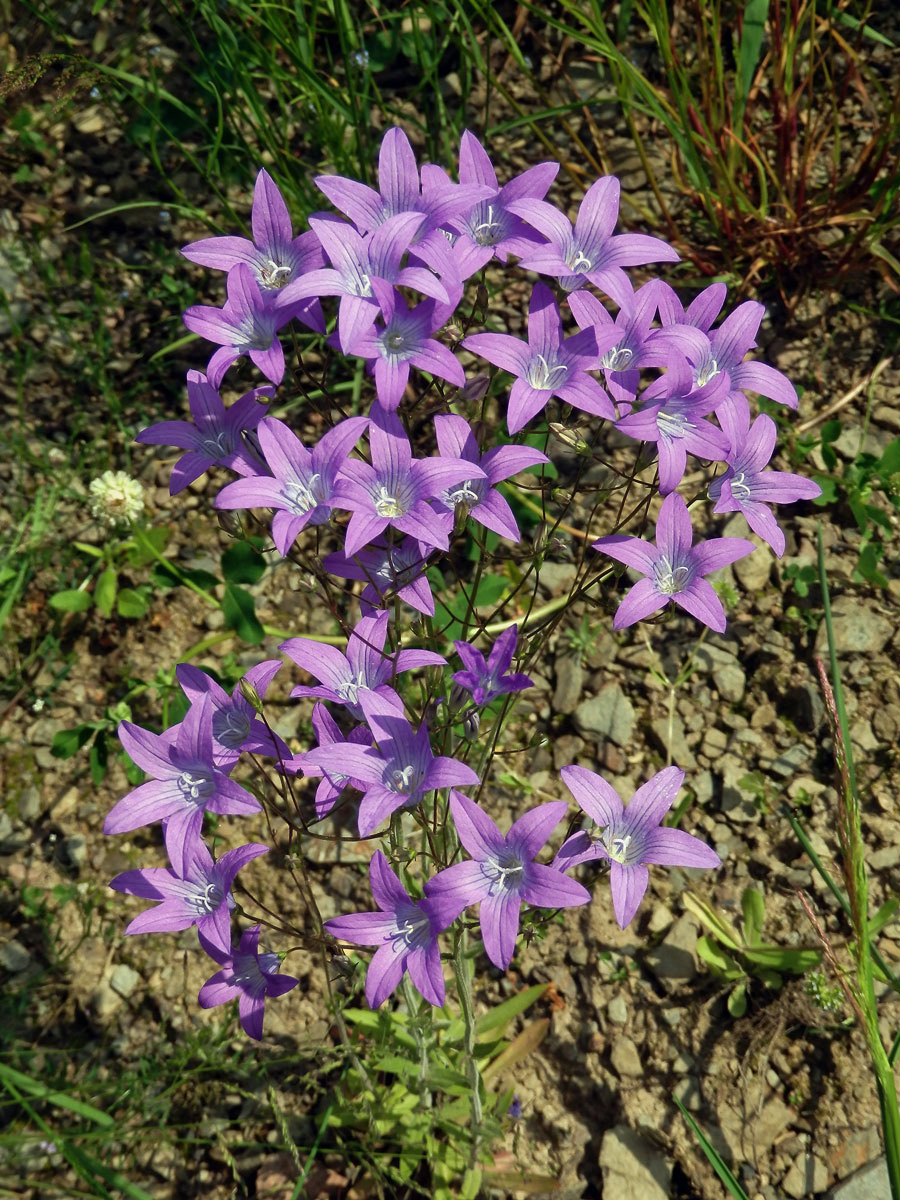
387,505
542,376
303,497
669,579
616,359
275,275
739,489
578,261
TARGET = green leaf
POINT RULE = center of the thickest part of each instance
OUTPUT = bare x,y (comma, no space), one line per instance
720,963
240,614
105,591
98,758
889,463
754,909
71,600
132,603
831,431
241,563
158,537
829,490
15,1080
715,1159
490,589
737,999
499,1017
884,916
69,741
867,564
753,28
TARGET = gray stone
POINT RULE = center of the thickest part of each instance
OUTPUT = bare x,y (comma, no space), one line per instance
805,706
857,629
617,1010
688,1092
806,1176
632,1168
791,760
882,860
556,578
607,715
569,682
14,957
670,737
753,570
730,682
626,1061
30,804
123,980
871,1183
674,960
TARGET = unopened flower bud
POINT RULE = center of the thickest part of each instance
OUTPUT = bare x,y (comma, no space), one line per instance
229,521
472,724
250,694
459,697
570,437
475,389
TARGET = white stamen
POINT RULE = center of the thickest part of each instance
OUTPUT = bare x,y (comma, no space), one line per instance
542,376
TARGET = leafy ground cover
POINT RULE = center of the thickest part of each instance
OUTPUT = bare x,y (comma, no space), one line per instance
126,140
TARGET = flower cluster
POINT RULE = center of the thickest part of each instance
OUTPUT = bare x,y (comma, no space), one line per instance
392,266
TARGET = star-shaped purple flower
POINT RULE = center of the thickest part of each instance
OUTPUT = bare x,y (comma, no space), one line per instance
674,568
746,486
275,256
365,666
215,436
356,261
631,836
488,680
724,355
405,932
199,895
399,772
235,725
402,342
388,569
186,782
479,496
546,365
591,252
395,488
502,874
246,976
328,733
305,485
399,191
244,325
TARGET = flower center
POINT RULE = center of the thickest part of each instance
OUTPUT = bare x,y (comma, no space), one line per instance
274,275
504,870
617,359
216,446
231,727
487,232
739,489
387,505
247,972
413,929
578,261
360,286
672,425
302,497
707,372
669,579
617,847
404,780
464,494
196,786
543,376
349,690
207,900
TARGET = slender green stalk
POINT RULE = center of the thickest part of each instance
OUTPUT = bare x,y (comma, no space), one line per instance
462,970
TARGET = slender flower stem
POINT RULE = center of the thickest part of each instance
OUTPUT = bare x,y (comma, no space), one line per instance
462,970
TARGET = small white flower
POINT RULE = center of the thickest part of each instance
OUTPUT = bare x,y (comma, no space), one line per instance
116,498
38,705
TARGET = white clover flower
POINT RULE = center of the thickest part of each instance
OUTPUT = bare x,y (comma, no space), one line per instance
116,498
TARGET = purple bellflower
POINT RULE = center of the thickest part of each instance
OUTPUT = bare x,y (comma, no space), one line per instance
399,772
244,325
404,341
479,496
631,836
701,312
186,782
305,485
199,895
489,229
546,365
388,570
215,436
395,488
274,256
365,665
746,486
676,421
488,680
235,724
502,874
356,261
405,932
674,569
328,733
724,355
399,191
247,976
589,253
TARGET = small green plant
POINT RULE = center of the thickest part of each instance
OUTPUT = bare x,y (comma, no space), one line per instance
737,957
584,639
